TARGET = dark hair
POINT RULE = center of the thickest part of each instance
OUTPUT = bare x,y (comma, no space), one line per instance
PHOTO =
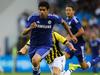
72,6
44,4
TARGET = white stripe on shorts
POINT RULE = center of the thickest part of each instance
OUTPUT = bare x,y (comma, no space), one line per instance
83,54
46,53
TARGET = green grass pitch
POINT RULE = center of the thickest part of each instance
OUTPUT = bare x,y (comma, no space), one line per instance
83,73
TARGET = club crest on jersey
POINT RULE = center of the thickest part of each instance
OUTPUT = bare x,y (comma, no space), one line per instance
49,22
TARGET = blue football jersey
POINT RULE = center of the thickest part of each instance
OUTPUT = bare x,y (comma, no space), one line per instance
42,34
75,25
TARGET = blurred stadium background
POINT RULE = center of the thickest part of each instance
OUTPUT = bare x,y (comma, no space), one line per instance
13,15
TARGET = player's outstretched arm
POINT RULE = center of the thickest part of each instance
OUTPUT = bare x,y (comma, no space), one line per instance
68,30
26,31
63,40
70,45
80,32
23,50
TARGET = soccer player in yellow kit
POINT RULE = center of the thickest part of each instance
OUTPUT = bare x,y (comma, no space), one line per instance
56,58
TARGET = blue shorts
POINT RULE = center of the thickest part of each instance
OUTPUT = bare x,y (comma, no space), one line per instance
41,50
79,53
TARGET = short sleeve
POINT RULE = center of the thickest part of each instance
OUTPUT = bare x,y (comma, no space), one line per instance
29,21
77,23
57,19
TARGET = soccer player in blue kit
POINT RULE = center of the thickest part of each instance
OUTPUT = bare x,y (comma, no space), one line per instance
40,27
78,31
95,49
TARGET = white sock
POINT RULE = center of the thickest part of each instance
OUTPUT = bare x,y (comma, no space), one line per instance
68,72
89,64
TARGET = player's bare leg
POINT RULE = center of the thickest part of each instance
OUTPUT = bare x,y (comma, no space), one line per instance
85,65
56,71
36,64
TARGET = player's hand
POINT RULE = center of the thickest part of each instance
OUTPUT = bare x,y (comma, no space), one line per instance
33,25
71,46
74,39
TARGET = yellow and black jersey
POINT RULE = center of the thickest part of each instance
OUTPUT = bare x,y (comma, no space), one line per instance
56,52
28,43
